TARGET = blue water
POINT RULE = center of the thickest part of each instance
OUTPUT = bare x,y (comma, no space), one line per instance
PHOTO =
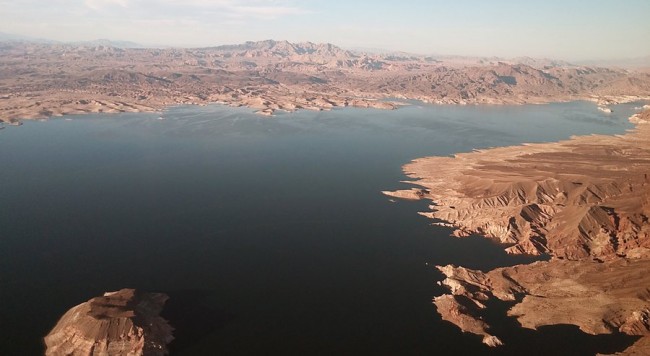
270,234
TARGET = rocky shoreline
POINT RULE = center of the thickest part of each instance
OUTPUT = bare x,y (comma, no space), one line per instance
53,103
584,202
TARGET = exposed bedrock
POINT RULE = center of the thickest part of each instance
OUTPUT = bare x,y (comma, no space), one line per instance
585,202
125,322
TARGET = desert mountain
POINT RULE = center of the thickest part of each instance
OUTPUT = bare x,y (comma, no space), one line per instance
40,80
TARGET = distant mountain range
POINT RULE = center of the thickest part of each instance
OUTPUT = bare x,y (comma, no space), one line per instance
111,43
105,76
631,63
285,48
9,37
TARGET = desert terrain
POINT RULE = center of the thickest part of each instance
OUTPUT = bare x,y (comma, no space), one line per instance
41,80
584,202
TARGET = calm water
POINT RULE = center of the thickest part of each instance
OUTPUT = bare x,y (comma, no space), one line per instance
270,235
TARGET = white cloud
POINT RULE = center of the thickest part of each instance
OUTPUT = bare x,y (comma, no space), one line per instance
259,9
100,4
270,12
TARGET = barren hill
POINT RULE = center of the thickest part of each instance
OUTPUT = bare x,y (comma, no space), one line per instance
40,80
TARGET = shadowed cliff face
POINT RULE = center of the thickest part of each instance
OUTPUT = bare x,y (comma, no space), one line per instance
122,322
40,80
585,202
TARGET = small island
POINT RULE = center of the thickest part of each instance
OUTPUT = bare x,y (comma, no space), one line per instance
125,322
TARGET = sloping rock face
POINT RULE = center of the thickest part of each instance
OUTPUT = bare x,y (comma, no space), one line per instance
585,202
125,322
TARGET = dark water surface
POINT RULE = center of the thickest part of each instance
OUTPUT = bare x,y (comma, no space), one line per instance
270,234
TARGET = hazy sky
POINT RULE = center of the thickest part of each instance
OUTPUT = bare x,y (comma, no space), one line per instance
566,29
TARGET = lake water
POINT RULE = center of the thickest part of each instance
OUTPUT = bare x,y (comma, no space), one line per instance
270,234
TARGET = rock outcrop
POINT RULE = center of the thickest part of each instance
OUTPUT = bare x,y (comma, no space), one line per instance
585,202
125,322
600,298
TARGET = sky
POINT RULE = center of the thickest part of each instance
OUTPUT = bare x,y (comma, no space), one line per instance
567,29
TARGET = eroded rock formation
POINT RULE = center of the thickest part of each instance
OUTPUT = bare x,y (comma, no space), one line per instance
125,322
584,201
588,197
600,298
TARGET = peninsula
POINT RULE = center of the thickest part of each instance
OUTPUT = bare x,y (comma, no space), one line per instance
584,202
42,80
